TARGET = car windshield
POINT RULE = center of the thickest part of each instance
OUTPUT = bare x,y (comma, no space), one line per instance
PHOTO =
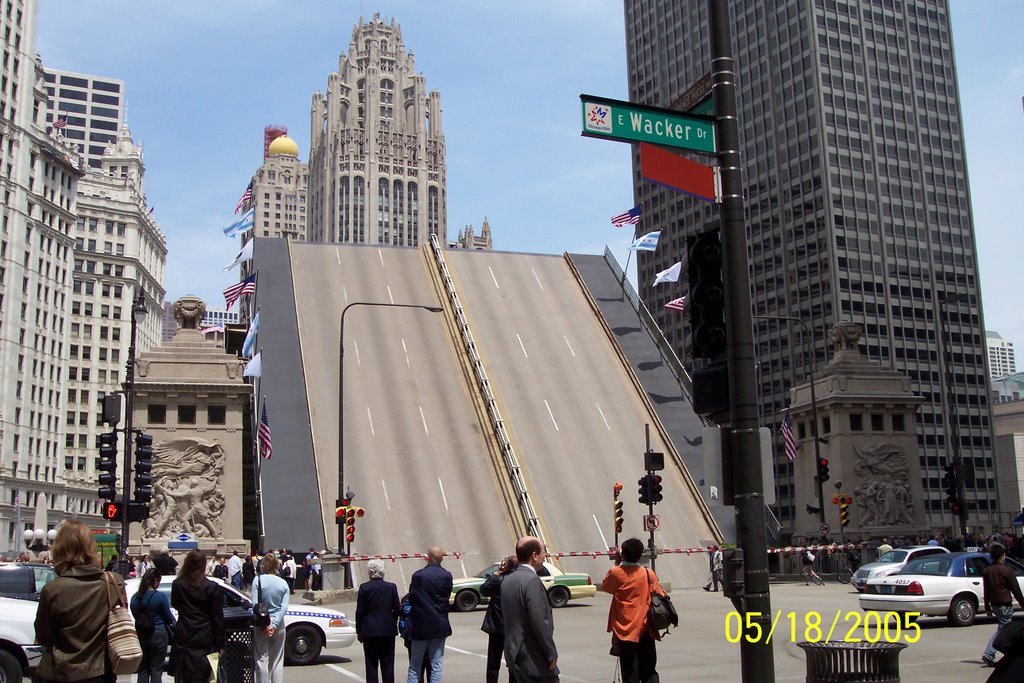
488,571
893,556
929,566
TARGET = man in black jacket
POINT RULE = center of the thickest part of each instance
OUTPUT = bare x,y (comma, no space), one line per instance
377,610
167,565
429,591
494,623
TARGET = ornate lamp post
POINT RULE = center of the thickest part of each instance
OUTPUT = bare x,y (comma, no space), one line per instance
139,311
38,540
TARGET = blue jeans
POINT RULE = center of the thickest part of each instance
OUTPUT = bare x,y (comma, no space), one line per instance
236,580
431,650
1004,613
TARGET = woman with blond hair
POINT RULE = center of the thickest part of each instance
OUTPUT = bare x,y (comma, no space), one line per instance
270,590
200,628
71,621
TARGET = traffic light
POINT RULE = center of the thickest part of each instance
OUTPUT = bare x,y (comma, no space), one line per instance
143,468
707,294
823,470
619,519
339,513
835,500
643,490
655,488
106,464
844,512
949,481
112,511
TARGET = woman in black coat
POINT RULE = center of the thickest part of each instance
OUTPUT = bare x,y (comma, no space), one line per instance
200,628
493,625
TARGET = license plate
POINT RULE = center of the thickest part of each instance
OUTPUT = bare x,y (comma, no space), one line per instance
885,590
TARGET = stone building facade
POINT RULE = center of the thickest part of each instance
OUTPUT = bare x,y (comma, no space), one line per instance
279,193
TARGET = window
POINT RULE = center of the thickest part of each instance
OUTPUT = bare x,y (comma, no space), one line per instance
898,424
187,415
216,415
856,422
877,422
156,413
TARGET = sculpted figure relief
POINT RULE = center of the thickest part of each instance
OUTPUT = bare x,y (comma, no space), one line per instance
883,496
844,336
189,311
187,497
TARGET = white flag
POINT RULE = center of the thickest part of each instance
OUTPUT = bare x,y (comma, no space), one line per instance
254,368
669,275
244,255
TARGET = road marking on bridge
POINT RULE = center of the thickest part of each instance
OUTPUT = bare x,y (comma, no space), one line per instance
443,497
604,541
407,363
537,278
387,501
369,416
569,345
552,415
344,291
355,345
381,255
465,652
390,298
602,416
424,419
337,255
346,672
521,345
493,278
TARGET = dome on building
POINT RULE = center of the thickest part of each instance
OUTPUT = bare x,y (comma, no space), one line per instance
283,145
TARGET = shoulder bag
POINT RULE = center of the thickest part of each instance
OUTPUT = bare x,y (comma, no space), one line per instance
123,648
259,610
661,613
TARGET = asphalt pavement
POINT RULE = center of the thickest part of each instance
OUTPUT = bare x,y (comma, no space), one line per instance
698,649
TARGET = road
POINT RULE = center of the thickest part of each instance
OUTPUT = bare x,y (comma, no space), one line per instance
414,450
573,413
696,651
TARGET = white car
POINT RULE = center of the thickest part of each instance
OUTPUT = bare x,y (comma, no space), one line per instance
892,562
308,628
947,585
19,654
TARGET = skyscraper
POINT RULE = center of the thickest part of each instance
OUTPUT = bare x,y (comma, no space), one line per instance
90,107
279,192
1002,360
857,205
377,155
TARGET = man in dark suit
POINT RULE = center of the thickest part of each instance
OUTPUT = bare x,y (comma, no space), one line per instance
377,610
529,627
429,591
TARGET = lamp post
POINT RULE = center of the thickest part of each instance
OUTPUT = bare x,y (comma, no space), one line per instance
814,411
953,452
139,311
38,540
341,401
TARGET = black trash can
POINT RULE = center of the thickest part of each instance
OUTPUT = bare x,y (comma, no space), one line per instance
238,663
853,662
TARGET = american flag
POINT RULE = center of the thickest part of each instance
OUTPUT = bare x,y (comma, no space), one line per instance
787,436
677,304
235,291
246,197
264,433
60,123
631,217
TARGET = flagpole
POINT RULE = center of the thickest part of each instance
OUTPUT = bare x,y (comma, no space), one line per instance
257,464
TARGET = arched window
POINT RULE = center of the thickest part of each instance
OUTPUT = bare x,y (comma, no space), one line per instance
398,214
361,88
383,212
413,212
359,210
344,212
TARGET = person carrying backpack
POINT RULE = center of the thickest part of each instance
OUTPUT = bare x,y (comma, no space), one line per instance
154,623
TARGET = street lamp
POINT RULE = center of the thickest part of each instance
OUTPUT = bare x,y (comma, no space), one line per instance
139,311
814,410
341,402
953,451
38,540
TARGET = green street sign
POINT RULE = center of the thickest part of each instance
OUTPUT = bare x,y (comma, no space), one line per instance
626,122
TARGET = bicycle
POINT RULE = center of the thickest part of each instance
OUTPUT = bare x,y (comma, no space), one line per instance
843,571
808,574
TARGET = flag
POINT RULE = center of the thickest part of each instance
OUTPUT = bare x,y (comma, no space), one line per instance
264,433
241,225
244,255
677,304
246,197
212,329
17,499
787,436
669,275
631,217
648,242
250,337
60,123
254,368
235,291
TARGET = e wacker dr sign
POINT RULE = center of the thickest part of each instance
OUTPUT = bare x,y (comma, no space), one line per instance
626,122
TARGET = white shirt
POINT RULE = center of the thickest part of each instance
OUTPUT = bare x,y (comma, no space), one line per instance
234,565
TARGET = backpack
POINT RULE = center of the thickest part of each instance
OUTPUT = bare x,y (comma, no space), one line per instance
662,613
286,571
144,620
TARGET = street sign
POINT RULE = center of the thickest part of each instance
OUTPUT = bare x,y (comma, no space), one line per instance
824,529
668,169
697,98
651,523
627,122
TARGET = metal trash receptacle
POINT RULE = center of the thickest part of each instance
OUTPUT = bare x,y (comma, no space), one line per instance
853,662
238,663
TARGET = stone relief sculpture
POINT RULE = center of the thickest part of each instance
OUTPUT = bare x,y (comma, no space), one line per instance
189,311
187,495
883,497
844,336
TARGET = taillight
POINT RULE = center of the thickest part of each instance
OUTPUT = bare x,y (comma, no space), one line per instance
590,582
869,588
915,588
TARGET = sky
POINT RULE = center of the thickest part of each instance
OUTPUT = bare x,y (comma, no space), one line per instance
202,79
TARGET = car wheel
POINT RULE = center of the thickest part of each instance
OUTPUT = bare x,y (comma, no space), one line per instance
466,601
558,596
302,645
10,668
962,611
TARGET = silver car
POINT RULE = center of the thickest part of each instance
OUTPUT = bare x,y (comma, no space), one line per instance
891,562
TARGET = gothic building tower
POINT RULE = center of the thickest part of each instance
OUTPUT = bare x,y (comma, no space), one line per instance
377,156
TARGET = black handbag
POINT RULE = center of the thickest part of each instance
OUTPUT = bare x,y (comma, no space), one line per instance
260,611
662,613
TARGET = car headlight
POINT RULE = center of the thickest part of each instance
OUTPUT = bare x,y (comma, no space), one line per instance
338,623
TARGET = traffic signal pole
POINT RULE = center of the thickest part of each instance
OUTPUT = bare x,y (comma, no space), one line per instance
756,658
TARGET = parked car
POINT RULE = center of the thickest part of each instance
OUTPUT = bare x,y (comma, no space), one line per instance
947,585
24,580
892,562
19,655
308,628
561,587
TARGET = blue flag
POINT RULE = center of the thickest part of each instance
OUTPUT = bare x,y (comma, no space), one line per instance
648,242
250,337
244,223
